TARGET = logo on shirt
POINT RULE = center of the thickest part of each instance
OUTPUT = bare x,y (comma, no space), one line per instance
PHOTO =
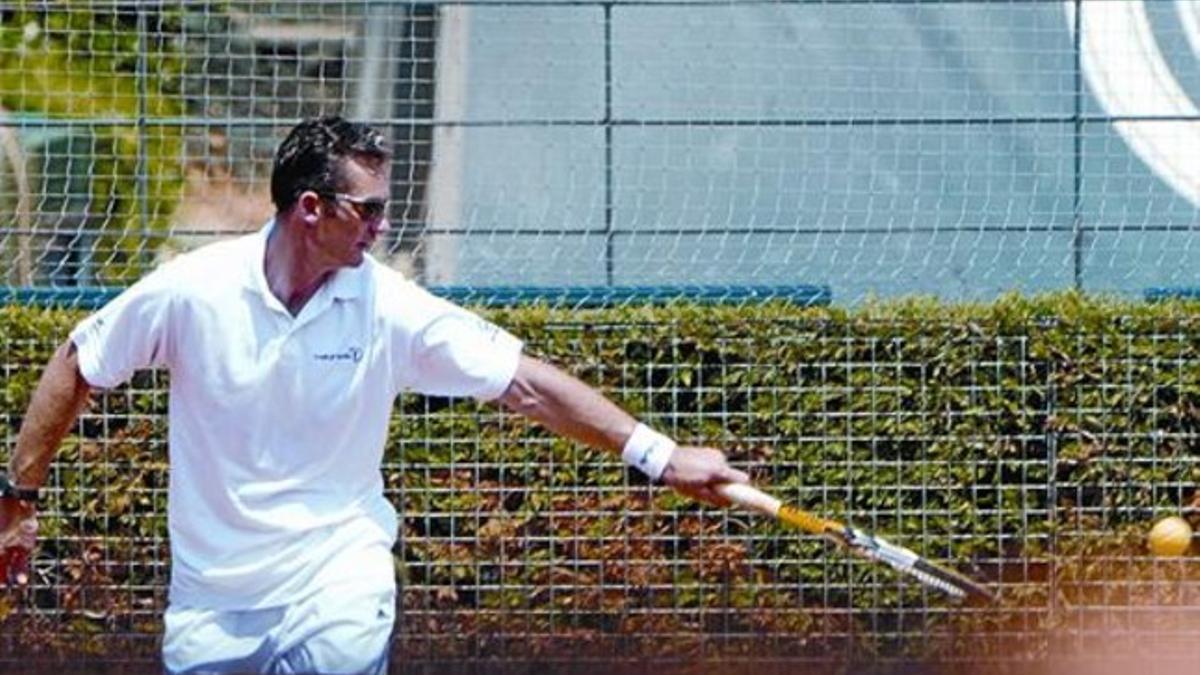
350,355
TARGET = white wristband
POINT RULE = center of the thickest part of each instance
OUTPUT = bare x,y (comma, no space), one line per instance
648,451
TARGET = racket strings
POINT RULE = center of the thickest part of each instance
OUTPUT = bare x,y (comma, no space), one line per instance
935,582
917,573
903,560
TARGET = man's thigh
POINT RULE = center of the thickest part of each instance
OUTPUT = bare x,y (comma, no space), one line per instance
344,628
211,641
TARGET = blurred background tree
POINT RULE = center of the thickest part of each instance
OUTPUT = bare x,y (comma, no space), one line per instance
92,95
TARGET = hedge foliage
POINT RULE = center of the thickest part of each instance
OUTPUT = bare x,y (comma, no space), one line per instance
1010,437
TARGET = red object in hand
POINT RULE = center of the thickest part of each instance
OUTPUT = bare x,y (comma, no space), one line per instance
18,534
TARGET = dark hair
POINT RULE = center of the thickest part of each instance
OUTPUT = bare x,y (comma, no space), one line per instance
310,157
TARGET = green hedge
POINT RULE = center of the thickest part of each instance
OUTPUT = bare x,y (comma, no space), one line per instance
1008,437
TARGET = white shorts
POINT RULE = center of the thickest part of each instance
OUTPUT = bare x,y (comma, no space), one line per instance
344,627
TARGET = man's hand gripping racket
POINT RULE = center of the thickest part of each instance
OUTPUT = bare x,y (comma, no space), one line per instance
858,542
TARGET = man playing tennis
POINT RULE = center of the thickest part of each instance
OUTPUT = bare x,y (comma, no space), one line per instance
286,350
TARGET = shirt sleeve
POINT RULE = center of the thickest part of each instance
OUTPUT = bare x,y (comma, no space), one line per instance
461,354
128,334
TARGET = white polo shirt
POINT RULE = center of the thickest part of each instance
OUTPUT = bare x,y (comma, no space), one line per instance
278,423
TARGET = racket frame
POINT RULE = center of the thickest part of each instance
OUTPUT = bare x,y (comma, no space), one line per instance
859,542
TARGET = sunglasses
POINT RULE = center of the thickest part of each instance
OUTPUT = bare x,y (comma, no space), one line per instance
367,209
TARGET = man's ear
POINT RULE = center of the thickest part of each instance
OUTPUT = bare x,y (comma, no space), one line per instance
310,207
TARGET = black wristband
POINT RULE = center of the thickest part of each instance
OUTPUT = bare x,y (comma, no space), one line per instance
10,491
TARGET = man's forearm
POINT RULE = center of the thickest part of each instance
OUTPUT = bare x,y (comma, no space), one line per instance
567,406
60,396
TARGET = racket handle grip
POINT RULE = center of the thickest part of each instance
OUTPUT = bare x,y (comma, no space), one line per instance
749,497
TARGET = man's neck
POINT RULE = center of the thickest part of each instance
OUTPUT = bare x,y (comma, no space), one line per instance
294,273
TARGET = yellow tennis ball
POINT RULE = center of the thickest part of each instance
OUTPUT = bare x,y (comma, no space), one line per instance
1170,536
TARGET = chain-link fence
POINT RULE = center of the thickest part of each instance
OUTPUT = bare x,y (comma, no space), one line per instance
955,148
592,152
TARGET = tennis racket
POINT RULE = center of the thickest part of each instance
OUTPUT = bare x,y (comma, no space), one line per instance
858,542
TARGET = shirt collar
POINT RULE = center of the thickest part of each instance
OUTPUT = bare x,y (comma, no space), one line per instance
346,284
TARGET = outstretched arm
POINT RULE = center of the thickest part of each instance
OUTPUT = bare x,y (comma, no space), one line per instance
60,395
571,408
